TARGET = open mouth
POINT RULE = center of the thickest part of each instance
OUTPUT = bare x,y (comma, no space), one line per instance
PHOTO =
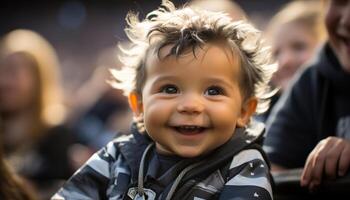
189,129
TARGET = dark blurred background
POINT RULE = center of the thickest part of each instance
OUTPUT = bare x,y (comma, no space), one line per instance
81,30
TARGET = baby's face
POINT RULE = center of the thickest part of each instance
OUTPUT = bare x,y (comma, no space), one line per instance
192,105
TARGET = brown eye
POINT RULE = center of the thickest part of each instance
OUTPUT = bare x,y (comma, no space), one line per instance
169,89
214,90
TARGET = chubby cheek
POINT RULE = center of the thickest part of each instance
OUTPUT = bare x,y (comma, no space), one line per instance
155,114
224,118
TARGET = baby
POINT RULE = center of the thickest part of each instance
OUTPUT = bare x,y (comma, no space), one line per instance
194,79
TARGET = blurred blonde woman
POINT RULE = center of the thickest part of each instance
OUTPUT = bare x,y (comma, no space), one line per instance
294,33
31,109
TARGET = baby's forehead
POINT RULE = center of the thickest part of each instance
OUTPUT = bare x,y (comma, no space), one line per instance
215,52
210,58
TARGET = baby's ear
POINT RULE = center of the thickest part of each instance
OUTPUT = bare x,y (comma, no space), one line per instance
248,109
135,103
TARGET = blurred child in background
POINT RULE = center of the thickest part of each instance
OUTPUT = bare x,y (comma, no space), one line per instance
294,33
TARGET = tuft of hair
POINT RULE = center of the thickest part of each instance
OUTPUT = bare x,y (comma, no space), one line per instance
189,28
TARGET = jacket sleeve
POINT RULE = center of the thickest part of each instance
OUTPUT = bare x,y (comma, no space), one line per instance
291,133
92,179
248,177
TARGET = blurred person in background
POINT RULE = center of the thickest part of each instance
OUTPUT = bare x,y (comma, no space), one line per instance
31,111
99,112
309,127
294,33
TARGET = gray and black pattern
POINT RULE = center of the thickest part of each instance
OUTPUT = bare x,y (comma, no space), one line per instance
236,170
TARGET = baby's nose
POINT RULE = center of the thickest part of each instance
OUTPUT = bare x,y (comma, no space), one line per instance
190,104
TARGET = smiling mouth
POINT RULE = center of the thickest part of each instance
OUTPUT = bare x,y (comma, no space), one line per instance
189,129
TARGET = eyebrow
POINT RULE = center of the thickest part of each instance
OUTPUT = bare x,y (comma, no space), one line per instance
208,80
220,81
164,78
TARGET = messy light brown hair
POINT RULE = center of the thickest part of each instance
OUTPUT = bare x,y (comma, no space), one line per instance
185,29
